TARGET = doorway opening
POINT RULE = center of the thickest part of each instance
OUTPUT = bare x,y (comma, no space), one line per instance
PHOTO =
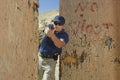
47,10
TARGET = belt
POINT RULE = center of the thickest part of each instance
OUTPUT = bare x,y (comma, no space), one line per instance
55,56
46,56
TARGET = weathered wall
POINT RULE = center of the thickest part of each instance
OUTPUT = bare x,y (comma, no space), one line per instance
18,39
93,52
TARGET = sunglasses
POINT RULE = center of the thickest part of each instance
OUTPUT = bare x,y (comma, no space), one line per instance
57,23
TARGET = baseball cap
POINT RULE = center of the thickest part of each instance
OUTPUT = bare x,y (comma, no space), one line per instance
59,20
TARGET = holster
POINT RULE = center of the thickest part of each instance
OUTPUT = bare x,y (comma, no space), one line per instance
55,57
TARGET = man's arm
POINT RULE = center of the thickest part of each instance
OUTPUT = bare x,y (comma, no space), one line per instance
58,42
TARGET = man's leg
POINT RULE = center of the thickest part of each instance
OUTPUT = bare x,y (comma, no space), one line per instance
41,71
49,69
46,68
57,73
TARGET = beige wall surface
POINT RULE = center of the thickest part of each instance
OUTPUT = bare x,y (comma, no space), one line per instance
93,52
18,39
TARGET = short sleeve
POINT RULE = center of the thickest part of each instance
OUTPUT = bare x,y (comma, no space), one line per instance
65,37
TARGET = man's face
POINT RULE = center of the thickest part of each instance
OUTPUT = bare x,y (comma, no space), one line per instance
58,28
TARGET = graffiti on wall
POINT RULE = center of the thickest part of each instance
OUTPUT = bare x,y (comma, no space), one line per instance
84,27
82,6
81,28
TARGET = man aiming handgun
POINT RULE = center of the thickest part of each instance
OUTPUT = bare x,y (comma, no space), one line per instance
51,46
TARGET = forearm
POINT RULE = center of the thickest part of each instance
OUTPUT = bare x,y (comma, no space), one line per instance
58,43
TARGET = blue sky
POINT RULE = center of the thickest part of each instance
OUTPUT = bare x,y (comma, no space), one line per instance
47,5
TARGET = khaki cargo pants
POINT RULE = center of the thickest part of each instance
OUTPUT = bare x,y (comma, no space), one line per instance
48,68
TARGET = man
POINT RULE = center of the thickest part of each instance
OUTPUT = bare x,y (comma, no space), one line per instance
51,46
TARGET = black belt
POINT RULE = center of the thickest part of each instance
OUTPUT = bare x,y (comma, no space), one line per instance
46,56
55,56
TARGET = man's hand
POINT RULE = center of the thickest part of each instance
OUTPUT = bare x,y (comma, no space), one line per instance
49,32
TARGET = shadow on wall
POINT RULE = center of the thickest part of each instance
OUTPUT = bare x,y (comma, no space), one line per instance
116,8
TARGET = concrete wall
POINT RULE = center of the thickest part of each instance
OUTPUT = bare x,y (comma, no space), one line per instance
18,39
93,52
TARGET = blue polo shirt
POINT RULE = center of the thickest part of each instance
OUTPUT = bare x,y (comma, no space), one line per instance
47,46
